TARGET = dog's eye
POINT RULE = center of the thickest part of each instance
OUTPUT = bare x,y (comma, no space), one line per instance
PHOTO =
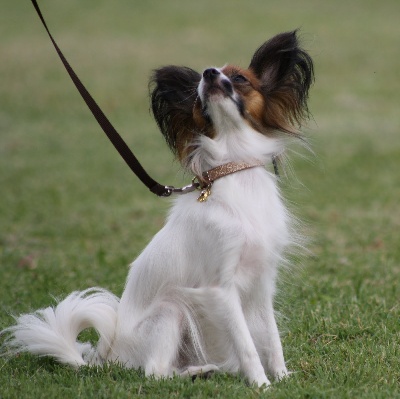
238,79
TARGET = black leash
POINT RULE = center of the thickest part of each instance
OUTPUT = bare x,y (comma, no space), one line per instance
109,130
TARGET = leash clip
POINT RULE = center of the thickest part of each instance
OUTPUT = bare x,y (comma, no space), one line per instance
182,190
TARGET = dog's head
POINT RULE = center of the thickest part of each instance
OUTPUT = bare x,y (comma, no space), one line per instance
270,95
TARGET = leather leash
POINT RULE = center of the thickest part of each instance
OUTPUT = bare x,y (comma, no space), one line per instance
125,151
108,128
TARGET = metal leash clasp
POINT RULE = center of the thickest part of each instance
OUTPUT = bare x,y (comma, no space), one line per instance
185,189
205,189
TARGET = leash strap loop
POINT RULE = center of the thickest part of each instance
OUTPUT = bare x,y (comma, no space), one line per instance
105,124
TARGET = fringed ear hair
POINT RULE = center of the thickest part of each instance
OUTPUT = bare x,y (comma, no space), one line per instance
286,73
173,97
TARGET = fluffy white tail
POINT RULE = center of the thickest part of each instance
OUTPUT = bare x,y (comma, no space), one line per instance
53,331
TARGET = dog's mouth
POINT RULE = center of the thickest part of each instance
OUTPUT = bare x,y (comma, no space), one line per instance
215,85
215,89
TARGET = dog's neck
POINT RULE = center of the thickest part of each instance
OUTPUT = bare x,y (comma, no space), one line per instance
243,146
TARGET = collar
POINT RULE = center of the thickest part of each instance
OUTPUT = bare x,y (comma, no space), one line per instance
226,169
206,180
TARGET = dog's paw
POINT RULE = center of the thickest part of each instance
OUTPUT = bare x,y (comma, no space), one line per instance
279,375
261,384
259,380
205,371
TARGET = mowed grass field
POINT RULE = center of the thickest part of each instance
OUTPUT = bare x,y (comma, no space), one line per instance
73,216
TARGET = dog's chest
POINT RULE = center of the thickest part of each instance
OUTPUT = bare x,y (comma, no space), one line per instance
238,232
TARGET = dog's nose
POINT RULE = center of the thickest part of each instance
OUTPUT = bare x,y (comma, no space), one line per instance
211,74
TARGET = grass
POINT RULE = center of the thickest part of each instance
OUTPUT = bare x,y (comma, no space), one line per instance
73,216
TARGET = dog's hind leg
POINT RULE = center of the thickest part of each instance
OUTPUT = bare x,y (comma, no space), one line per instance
158,336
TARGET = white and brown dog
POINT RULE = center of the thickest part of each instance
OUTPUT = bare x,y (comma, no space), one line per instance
200,296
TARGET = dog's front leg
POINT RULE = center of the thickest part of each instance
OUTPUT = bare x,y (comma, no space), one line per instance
265,333
227,315
237,328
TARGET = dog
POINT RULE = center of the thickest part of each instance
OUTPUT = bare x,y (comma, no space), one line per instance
199,298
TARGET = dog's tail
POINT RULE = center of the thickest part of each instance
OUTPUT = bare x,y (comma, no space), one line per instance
53,331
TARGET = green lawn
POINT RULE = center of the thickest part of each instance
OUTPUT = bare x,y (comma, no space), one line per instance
73,216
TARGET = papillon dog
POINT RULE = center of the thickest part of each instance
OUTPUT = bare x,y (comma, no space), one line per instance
200,297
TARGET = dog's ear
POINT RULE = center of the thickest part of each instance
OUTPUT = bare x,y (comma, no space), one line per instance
173,95
286,73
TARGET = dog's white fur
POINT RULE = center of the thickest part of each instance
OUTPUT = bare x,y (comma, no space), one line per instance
200,296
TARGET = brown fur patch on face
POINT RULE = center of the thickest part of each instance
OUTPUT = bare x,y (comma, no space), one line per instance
263,115
248,86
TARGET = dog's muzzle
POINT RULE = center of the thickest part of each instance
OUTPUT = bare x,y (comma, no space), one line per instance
214,82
